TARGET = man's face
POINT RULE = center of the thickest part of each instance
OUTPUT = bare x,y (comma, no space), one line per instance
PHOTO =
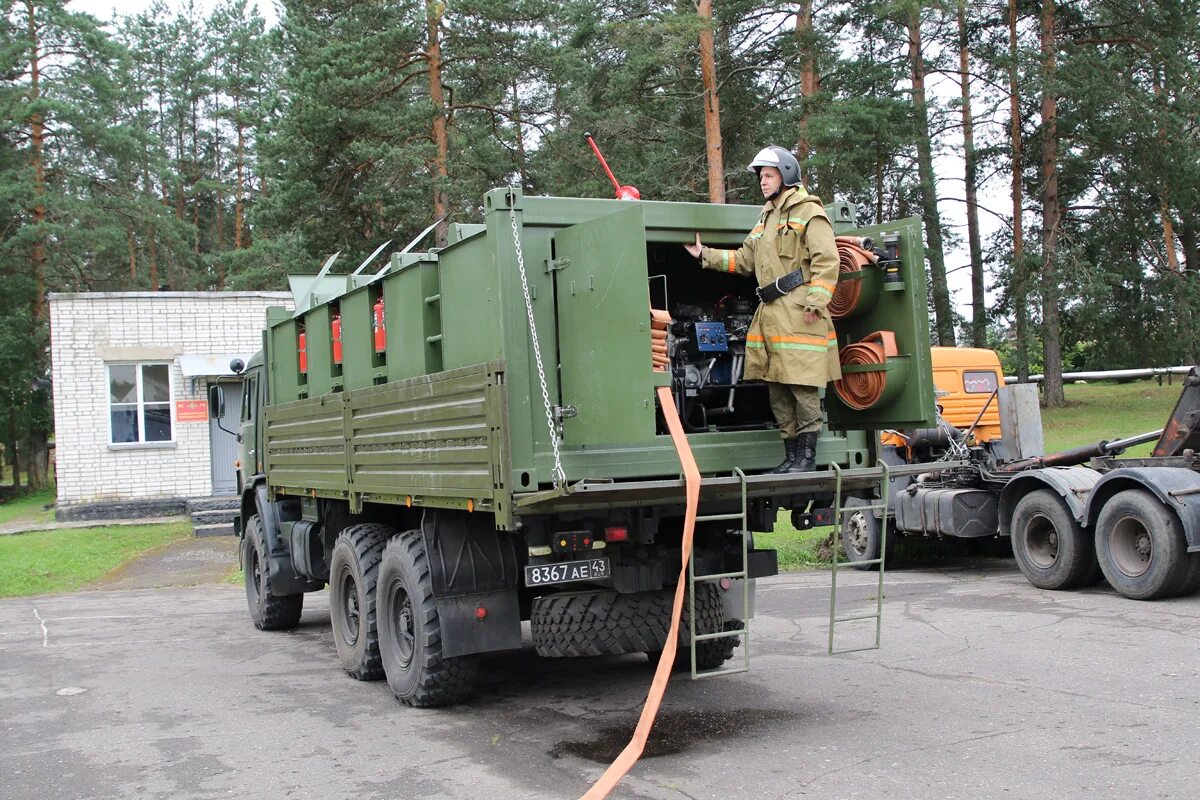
769,180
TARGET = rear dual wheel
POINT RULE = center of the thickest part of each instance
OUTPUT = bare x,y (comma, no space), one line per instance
1051,548
353,575
1142,549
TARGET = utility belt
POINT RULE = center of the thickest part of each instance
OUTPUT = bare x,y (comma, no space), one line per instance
780,286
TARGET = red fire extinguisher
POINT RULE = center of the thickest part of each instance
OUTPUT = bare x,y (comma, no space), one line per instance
302,348
378,327
335,328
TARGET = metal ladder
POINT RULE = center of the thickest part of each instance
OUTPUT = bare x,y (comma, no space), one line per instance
834,619
743,575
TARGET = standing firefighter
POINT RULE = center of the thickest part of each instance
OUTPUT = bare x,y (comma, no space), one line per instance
791,344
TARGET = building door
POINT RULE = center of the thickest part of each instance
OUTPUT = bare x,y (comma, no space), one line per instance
223,445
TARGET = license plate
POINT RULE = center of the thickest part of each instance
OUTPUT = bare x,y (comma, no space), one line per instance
589,569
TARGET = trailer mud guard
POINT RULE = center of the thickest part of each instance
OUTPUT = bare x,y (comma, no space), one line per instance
1073,484
472,565
284,579
1177,489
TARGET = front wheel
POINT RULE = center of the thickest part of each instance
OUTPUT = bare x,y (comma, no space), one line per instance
862,533
410,636
268,611
1141,547
1051,549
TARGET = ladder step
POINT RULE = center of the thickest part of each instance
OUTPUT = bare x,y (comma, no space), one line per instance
713,673
700,637
853,618
716,576
718,517
852,650
868,563
874,507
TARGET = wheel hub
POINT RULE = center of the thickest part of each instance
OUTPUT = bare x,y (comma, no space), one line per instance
1131,546
403,626
1041,541
858,534
350,611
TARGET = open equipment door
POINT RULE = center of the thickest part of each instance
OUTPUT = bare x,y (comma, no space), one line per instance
603,303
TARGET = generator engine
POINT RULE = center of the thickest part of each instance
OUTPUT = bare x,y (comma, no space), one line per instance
708,354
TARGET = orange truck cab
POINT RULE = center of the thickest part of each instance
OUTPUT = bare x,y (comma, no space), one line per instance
965,379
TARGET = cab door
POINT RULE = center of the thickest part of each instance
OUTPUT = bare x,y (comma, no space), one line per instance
603,322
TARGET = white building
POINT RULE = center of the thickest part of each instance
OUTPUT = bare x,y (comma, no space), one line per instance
131,373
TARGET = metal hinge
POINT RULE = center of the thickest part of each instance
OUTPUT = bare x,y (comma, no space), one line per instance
564,412
554,264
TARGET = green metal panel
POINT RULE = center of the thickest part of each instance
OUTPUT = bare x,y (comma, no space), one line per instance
358,365
604,329
435,436
320,351
403,308
285,362
305,446
903,309
469,305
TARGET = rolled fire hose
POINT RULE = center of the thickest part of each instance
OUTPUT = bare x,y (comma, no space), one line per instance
862,390
662,674
854,255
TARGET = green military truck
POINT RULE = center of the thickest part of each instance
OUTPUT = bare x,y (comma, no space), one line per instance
470,438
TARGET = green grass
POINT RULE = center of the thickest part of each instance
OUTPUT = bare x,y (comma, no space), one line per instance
1109,411
65,560
29,508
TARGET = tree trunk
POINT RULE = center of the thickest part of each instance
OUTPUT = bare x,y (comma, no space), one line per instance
519,140
37,140
434,9
129,243
1165,203
14,454
978,298
239,211
1052,383
808,84
943,313
712,106
1019,290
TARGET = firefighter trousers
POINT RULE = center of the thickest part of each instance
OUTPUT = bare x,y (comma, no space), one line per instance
797,409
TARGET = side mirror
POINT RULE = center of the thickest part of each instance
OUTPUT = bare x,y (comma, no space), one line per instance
216,401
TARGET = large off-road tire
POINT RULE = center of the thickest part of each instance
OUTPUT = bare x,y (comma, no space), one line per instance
599,623
1051,549
862,532
353,572
410,635
268,611
1141,546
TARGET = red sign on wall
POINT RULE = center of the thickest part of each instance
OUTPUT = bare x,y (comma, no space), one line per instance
191,410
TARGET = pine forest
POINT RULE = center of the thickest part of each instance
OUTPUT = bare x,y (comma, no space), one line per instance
205,147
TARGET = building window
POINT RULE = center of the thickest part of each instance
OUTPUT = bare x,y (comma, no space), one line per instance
139,403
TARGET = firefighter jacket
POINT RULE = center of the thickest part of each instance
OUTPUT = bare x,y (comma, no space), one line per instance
792,233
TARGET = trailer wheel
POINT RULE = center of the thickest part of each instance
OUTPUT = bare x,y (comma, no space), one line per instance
1050,547
353,573
410,635
861,532
1141,547
268,611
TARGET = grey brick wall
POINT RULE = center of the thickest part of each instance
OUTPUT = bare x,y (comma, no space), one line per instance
89,331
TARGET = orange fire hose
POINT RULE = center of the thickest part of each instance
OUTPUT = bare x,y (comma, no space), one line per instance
862,390
633,751
852,258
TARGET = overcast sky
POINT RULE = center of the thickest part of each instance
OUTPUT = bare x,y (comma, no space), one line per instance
949,166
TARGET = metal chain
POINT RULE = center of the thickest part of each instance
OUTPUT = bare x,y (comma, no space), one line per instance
560,477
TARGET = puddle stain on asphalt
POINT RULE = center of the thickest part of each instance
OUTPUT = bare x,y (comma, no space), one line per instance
673,732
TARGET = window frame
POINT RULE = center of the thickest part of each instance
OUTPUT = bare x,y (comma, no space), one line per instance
141,404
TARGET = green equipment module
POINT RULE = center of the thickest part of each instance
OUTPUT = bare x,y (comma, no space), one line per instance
470,437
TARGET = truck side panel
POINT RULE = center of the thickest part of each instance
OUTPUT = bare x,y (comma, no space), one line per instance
444,435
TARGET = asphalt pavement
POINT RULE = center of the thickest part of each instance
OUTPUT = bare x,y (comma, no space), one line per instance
985,688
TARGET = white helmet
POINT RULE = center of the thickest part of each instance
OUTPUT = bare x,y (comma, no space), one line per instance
782,160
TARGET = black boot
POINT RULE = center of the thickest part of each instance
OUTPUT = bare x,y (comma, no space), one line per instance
791,449
806,452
